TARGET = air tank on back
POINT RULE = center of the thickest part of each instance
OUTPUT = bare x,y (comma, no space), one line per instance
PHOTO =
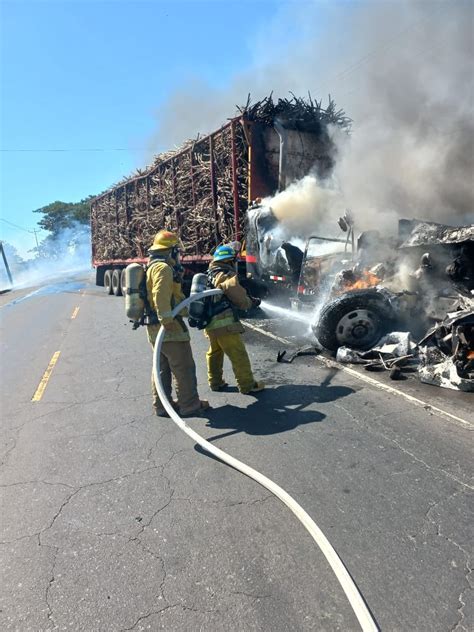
197,309
135,280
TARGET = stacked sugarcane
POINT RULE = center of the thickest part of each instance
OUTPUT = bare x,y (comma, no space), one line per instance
186,191
310,113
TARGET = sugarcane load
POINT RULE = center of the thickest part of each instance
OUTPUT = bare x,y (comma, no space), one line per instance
203,191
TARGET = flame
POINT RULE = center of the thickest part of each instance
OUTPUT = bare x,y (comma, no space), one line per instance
366,279
470,355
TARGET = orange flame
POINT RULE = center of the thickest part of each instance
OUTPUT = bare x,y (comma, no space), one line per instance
470,355
367,279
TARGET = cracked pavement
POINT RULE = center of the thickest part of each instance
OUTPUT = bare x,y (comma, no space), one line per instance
111,519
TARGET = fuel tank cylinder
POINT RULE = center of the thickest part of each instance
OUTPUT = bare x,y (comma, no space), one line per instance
135,281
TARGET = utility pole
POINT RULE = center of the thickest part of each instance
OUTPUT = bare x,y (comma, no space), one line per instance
36,238
7,267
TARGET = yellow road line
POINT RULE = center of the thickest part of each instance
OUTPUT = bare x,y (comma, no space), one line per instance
44,380
75,312
373,382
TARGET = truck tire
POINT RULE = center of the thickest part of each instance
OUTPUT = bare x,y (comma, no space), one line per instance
108,282
117,282
123,284
355,319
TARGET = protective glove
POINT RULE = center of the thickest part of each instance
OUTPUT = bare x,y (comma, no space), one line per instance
171,326
255,301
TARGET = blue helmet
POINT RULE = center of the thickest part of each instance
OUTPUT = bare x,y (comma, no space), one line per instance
224,252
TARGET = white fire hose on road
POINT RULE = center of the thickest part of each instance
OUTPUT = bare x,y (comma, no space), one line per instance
356,600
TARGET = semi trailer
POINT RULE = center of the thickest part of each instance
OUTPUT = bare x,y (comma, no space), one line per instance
205,189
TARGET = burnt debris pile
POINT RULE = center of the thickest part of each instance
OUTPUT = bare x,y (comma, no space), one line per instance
394,292
447,351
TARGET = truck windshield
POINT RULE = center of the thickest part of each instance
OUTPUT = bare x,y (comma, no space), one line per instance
319,246
323,258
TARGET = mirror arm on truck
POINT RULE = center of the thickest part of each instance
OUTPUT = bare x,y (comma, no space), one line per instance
281,131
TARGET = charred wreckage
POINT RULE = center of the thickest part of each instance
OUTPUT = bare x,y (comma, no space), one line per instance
401,303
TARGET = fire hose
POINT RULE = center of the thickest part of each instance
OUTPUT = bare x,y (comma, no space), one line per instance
351,591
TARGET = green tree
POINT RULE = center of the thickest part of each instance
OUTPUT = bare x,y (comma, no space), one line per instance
68,226
60,215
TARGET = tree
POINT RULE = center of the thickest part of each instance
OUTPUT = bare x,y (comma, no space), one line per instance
60,215
68,225
68,245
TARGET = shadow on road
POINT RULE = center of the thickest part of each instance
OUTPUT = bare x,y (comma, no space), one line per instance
277,409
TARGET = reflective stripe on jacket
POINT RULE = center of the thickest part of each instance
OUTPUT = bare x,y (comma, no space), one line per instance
163,295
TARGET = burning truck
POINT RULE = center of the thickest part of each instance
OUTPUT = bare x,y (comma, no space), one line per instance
203,190
210,191
423,279
372,296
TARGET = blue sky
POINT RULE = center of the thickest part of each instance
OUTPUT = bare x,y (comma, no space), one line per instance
80,75
130,79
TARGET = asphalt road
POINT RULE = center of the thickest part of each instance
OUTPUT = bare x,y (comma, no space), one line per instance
112,520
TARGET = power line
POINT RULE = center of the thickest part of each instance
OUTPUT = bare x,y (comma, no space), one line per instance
15,225
77,150
34,231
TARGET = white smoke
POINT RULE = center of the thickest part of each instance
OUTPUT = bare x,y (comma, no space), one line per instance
307,206
412,152
59,258
402,70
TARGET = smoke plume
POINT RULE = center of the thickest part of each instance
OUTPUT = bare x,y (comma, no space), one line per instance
58,259
412,152
401,70
307,206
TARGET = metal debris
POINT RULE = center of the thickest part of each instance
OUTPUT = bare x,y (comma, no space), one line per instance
447,351
418,233
393,351
304,351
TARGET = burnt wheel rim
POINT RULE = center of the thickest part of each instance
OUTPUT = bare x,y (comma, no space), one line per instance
357,328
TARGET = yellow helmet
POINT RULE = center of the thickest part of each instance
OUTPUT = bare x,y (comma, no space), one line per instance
165,240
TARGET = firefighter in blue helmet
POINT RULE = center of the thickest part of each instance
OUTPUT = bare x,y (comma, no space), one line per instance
225,330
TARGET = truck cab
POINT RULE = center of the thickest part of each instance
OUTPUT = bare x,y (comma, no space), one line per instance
324,258
296,269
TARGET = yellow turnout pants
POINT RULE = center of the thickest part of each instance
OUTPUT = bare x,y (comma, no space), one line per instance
232,345
176,359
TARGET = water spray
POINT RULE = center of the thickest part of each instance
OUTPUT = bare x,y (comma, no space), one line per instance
289,314
301,318
366,621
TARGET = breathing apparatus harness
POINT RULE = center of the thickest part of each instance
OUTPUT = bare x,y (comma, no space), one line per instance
202,312
149,316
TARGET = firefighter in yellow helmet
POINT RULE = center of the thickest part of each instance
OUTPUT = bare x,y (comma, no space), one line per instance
225,330
164,292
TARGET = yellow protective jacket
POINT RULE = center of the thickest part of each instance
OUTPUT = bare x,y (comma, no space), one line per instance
163,295
227,280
